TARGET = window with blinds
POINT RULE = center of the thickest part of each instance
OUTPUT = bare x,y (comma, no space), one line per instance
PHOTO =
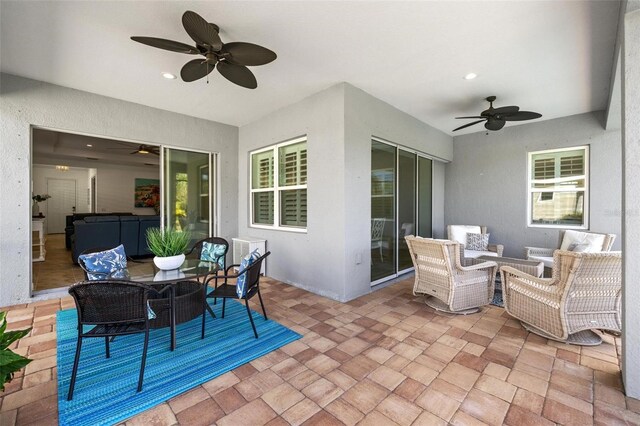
558,187
279,186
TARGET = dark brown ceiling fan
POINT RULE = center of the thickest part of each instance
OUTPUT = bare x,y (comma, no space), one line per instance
231,59
143,149
496,118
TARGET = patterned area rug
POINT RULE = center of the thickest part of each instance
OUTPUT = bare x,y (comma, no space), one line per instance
105,391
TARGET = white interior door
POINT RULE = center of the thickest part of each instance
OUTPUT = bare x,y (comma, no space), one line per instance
61,203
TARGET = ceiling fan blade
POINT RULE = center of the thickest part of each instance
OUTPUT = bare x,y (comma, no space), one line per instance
467,125
248,54
134,152
161,43
521,116
195,70
237,74
505,110
478,116
494,124
201,31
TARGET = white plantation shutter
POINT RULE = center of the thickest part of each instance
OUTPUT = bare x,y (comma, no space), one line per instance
558,187
280,191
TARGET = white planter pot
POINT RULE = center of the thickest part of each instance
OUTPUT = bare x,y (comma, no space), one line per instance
168,263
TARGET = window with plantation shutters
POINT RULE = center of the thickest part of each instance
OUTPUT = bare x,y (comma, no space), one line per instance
558,183
279,186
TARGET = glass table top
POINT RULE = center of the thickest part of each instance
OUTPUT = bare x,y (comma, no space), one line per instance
147,272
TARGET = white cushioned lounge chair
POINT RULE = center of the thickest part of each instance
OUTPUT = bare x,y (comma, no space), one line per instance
459,233
578,241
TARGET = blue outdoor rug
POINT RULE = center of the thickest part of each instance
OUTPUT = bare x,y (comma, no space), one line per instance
105,391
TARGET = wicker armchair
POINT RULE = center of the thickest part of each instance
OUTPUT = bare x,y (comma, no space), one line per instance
584,293
545,255
451,283
458,233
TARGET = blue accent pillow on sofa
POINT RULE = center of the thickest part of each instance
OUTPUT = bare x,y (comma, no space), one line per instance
108,264
213,252
242,279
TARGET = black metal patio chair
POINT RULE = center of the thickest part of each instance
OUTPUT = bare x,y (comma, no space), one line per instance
113,308
252,287
198,251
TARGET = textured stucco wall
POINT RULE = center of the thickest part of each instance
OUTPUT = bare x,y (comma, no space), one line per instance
367,116
311,260
25,102
486,184
631,205
333,257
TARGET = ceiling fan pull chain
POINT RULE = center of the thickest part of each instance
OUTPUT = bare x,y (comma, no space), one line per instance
207,72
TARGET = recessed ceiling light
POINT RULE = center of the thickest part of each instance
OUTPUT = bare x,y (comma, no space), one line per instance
470,76
169,76
89,145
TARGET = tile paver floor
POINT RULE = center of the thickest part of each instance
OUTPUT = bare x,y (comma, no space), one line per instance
384,358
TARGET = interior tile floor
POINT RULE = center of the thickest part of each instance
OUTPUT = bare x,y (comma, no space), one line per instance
382,359
57,270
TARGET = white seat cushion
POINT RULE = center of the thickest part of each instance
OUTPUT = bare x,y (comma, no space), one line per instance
582,241
459,232
548,261
477,253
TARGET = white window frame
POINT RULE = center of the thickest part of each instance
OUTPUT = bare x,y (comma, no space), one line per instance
531,190
277,189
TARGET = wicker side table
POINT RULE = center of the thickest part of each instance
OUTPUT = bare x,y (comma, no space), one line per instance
531,267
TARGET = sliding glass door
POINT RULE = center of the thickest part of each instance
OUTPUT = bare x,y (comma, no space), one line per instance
188,186
383,210
400,206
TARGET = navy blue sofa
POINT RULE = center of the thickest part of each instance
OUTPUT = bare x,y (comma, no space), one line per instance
110,231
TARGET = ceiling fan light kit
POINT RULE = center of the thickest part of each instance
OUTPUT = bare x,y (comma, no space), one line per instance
496,118
231,59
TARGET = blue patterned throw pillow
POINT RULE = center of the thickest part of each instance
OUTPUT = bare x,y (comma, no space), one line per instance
242,279
108,264
213,252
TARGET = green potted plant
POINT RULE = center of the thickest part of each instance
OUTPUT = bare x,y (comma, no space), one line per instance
10,362
168,245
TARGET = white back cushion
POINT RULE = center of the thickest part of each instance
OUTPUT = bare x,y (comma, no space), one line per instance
589,243
459,232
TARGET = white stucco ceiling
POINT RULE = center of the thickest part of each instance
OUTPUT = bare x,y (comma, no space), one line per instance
552,57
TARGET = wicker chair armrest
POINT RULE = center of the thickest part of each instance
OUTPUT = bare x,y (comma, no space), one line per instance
545,287
497,248
538,251
477,264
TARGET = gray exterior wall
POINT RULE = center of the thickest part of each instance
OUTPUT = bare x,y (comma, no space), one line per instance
333,257
631,203
366,116
486,184
25,102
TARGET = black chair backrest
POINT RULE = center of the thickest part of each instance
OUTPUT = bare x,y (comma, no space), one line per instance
197,247
253,272
108,302
89,251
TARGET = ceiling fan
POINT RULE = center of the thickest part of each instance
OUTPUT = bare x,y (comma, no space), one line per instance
231,59
143,149
496,118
